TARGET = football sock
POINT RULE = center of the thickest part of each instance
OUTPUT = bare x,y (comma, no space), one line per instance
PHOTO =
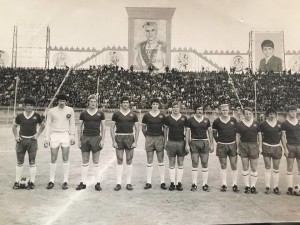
172,174
32,173
253,179
275,178
149,170
129,173
246,178
234,176
96,170
119,173
162,172
179,173
84,172
194,175
52,171
268,177
204,175
66,169
223,173
19,171
289,179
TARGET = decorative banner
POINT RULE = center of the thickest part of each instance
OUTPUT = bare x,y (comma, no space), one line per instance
294,64
149,44
183,61
114,58
3,58
61,60
238,63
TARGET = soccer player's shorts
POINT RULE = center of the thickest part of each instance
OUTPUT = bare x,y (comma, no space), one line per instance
249,150
90,143
154,143
176,148
124,141
224,150
294,151
60,139
26,144
199,147
274,152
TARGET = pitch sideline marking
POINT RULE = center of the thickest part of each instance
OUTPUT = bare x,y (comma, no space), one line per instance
75,196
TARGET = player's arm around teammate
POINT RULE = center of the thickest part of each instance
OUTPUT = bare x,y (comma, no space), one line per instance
291,143
199,141
60,132
271,149
121,131
153,130
26,140
91,134
248,143
224,132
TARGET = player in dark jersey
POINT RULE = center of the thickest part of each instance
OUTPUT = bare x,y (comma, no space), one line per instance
91,135
121,131
175,144
153,130
200,138
291,144
26,140
248,140
224,132
271,148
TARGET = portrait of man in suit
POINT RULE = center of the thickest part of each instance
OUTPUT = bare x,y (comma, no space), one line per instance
270,62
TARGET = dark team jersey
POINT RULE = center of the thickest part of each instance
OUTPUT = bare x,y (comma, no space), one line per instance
270,135
28,125
198,130
154,124
91,123
226,131
124,124
248,134
176,127
292,132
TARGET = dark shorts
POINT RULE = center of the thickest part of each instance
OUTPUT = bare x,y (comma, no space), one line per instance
199,147
249,150
294,151
224,150
274,152
176,148
154,143
90,143
124,141
27,144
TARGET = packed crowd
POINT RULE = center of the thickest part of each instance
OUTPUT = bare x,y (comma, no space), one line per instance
208,88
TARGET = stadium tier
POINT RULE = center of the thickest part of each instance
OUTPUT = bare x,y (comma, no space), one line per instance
209,88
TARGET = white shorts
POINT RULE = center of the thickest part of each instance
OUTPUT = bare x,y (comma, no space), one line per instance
60,139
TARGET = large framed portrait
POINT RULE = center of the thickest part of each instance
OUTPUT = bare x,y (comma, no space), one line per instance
267,50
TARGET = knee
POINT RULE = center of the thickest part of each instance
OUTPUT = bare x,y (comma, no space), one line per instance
223,165
20,162
32,162
234,167
120,161
195,164
150,160
129,161
204,165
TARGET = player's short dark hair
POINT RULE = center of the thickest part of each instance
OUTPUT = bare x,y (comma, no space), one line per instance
29,101
93,97
267,43
291,107
149,23
224,105
198,106
61,97
175,103
124,98
248,109
270,110
154,100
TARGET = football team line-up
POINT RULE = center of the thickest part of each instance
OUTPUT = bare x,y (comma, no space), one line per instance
174,133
